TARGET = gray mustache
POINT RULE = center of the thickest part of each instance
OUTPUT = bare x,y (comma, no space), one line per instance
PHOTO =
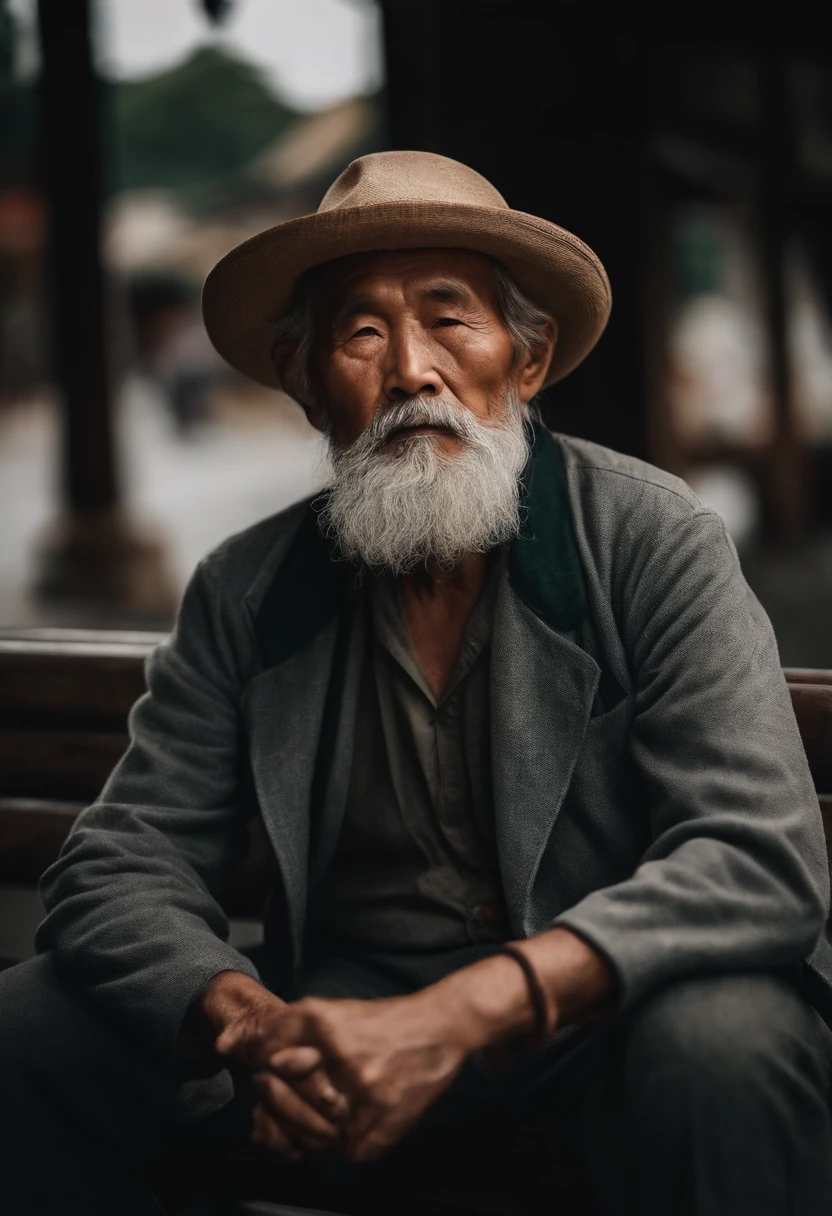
416,411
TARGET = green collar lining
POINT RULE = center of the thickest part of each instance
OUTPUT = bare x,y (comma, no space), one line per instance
544,565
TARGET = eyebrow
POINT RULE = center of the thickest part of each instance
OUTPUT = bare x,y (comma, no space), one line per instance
444,291
448,291
352,306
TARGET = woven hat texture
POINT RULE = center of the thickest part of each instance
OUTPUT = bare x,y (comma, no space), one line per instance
404,200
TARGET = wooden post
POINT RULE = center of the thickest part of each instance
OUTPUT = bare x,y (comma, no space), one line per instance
786,472
72,176
549,103
92,555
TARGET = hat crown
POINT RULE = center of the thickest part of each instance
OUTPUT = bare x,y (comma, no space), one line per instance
409,177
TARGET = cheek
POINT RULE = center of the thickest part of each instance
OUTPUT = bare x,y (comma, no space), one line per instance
481,367
352,392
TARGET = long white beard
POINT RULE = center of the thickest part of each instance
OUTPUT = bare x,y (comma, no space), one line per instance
401,505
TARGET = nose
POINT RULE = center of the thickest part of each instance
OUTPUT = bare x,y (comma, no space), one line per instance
412,372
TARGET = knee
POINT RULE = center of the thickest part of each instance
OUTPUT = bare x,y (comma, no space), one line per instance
722,1035
36,1011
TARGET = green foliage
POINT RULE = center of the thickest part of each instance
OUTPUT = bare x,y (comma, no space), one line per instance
192,127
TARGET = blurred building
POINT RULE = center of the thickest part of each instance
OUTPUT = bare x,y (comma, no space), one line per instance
197,150
691,147
694,155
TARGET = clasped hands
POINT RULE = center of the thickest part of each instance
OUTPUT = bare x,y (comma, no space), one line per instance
351,1075
357,1075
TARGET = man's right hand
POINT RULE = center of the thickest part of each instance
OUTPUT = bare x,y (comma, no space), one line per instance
237,1019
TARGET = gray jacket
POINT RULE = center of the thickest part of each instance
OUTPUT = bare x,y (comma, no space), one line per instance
650,787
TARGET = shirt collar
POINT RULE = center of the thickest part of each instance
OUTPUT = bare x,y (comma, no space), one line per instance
391,632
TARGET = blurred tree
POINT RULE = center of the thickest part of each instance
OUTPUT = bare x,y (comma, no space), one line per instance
7,43
189,128
18,114
217,10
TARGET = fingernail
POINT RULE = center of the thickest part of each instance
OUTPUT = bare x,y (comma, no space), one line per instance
330,1094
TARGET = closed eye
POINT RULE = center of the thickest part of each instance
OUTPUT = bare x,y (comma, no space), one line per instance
444,322
364,331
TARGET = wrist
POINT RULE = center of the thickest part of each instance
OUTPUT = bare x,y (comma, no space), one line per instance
488,1003
229,996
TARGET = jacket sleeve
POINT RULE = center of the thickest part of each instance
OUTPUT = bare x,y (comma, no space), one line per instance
132,917
735,877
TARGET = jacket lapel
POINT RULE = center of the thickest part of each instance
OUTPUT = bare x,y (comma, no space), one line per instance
334,759
293,707
284,709
542,689
542,683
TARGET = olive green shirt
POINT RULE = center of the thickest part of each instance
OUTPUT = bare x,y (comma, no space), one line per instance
415,868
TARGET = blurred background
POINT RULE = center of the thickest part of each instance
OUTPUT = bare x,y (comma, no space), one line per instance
142,139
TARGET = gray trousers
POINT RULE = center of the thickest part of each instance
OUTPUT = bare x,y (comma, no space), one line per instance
709,1099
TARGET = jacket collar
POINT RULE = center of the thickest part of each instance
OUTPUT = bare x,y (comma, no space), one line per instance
312,585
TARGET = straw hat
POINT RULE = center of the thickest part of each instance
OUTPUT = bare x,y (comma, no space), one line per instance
404,200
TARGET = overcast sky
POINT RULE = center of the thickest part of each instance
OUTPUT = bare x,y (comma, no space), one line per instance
314,51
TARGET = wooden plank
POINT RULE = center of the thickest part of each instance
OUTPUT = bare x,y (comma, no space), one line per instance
825,801
813,710
63,684
100,639
807,675
31,834
62,764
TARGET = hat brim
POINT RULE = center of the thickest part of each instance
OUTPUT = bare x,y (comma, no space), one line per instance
251,287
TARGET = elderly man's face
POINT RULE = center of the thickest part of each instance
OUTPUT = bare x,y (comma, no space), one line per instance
407,323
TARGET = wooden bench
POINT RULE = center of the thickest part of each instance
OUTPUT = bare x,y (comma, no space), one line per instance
64,697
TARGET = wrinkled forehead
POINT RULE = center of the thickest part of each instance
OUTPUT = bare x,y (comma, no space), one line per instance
450,275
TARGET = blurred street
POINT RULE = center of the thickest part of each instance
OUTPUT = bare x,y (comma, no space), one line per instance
254,456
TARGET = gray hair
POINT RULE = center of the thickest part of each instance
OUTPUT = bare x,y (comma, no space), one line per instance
294,333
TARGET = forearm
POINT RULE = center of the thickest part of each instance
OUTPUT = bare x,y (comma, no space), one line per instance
492,997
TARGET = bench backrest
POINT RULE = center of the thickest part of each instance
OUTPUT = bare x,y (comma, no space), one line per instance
64,698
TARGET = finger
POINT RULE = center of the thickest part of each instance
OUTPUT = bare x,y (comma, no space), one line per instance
253,1043
237,1043
302,1067
319,1092
294,1114
369,1150
378,1138
268,1134
363,1123
295,1061
374,1129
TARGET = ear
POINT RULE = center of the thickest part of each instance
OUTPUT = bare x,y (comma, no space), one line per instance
316,414
533,366
314,410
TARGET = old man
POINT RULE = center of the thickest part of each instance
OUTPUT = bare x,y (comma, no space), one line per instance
518,734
